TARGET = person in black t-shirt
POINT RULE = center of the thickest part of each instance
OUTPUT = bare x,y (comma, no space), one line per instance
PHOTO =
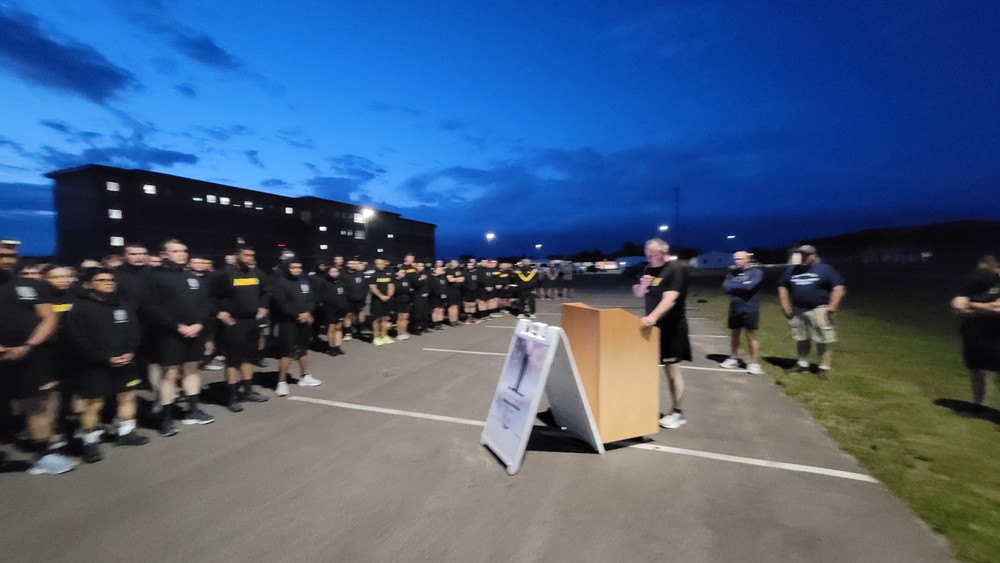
979,303
27,320
438,294
402,302
357,293
663,286
456,279
382,287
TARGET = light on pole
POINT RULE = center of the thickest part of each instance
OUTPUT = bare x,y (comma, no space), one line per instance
490,236
664,228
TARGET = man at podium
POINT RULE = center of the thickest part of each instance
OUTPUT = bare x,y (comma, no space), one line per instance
663,285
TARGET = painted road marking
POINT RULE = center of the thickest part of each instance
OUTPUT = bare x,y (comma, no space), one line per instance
465,352
648,447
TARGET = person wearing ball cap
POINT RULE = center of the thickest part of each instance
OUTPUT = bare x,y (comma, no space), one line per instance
810,293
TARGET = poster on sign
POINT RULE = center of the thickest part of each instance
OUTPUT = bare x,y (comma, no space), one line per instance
523,379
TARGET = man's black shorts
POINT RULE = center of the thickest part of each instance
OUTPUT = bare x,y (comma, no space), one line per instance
174,350
29,377
402,306
355,307
292,338
749,321
240,341
675,346
379,308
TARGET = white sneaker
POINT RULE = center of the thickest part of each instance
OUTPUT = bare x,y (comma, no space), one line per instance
309,381
673,420
282,389
403,336
522,316
754,369
532,316
730,363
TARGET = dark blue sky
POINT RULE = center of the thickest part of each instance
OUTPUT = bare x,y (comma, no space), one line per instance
566,124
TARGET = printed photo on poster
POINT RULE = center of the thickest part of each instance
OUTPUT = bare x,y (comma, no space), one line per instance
519,383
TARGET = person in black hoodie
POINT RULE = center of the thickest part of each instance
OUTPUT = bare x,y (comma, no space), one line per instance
178,308
240,294
103,334
132,280
333,295
292,303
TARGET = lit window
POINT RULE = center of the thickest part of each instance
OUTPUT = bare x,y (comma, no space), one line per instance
289,211
343,232
359,218
323,229
197,199
390,235
149,189
323,247
114,213
210,198
117,241
259,208
224,200
113,187
248,204
350,233
360,235
380,250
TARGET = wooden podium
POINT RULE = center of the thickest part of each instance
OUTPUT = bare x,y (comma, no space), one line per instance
618,362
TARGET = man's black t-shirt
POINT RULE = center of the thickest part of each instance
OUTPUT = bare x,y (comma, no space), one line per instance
18,297
668,277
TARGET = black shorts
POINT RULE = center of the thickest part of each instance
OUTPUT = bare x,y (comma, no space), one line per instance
334,315
240,341
102,383
749,321
29,377
379,308
468,295
402,306
674,343
355,307
292,338
454,296
438,301
174,350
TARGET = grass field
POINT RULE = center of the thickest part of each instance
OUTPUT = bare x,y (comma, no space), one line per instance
897,356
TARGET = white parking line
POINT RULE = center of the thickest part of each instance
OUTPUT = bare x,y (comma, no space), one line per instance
464,352
396,412
711,369
648,447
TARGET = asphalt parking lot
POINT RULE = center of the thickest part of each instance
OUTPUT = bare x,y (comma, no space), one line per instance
383,463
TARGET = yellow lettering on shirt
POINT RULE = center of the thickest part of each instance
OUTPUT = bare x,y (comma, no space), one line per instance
656,281
240,282
62,307
383,280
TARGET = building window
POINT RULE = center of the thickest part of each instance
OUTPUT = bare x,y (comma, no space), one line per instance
343,231
323,247
210,198
380,250
359,218
359,235
149,189
196,198
117,241
390,235
322,229
114,213
289,211
350,233
259,208
224,200
248,204
113,187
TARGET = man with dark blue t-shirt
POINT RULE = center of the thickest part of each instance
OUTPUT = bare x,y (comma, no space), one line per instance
810,294
742,284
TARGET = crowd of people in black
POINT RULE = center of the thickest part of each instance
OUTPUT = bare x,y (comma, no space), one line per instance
78,342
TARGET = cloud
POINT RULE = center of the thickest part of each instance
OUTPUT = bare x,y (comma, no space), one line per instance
295,138
275,183
254,158
219,133
72,67
129,154
186,90
356,167
337,189
381,107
